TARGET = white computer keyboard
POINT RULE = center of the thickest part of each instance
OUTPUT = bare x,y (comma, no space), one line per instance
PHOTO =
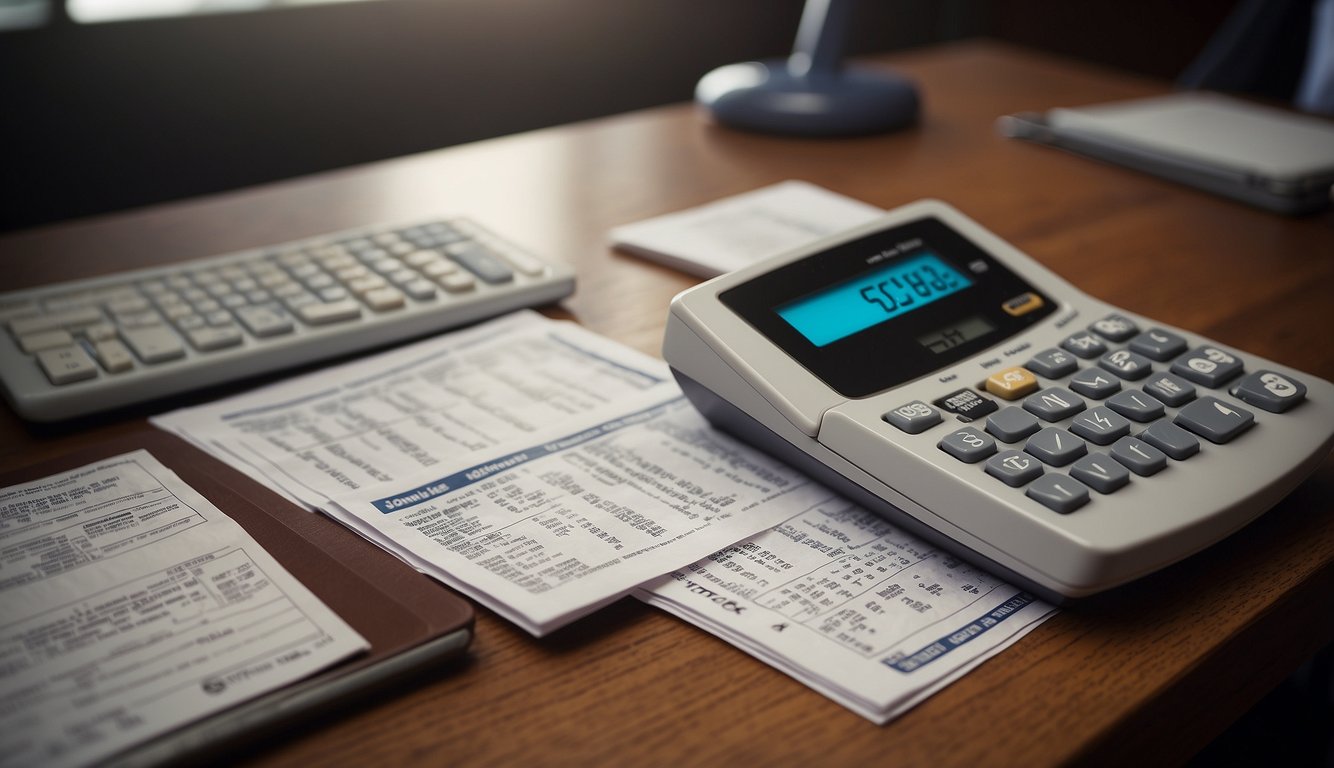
92,345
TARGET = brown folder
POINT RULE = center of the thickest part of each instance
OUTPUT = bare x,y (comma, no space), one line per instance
411,622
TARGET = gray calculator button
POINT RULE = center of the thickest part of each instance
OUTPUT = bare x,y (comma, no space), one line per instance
1171,440
1052,363
1095,383
1012,424
1013,468
1173,390
1099,472
1100,425
1058,493
1158,344
480,262
65,365
914,417
1085,345
1138,456
1214,420
1136,406
968,445
1126,364
1209,366
1054,404
1055,446
1271,391
1115,328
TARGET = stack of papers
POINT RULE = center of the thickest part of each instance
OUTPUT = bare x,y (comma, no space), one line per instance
545,471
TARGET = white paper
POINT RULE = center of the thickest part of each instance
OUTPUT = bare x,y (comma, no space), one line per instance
852,606
130,605
425,405
737,231
547,530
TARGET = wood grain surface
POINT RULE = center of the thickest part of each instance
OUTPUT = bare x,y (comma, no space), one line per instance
1150,673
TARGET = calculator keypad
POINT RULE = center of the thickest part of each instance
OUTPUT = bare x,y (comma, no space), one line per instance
1133,377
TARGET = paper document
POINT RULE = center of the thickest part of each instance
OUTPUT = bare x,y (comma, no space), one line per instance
130,605
547,530
386,416
850,605
736,231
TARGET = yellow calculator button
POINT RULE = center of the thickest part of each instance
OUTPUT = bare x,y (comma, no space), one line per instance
1011,383
1022,304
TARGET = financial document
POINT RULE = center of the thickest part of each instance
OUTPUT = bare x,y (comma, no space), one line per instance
130,605
546,530
384,417
852,606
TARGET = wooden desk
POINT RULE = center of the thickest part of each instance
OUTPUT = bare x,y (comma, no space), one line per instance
1153,673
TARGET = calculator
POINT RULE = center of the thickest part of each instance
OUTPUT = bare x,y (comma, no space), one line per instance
930,371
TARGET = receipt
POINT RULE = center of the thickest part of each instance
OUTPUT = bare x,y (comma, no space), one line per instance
383,417
852,606
547,530
130,605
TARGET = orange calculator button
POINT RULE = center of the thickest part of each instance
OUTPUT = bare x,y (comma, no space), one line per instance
1022,304
1011,383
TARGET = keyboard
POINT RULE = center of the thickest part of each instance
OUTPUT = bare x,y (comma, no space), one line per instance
86,346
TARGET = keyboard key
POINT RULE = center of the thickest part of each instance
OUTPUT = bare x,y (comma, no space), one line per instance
1271,391
1085,345
1055,446
1058,493
914,418
482,263
1013,468
1136,406
1157,344
1115,328
67,365
1011,383
100,332
320,313
154,345
457,282
420,289
1171,440
1138,456
36,342
1126,364
966,404
73,318
384,299
113,355
1095,384
1052,363
1100,425
264,321
1054,404
1099,472
1012,424
1214,420
1208,366
968,445
211,338
1173,390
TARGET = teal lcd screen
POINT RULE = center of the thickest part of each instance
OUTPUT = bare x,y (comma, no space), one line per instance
870,299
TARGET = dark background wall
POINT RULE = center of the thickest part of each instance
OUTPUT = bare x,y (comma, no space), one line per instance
95,118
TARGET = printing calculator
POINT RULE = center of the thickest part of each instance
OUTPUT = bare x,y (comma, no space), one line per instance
932,372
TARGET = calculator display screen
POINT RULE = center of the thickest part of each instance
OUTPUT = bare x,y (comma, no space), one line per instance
873,298
889,307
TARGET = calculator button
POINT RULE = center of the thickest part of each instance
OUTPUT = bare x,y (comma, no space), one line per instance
154,345
1100,425
1099,472
1271,391
1013,468
1054,404
913,417
1138,456
1058,493
66,365
1095,384
1214,420
966,404
1126,364
1011,383
1012,424
1136,406
1055,446
1022,304
1052,363
1173,390
1085,345
1115,328
1158,344
1209,366
968,445
1171,440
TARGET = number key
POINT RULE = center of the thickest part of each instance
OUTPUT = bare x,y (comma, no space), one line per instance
968,445
1208,366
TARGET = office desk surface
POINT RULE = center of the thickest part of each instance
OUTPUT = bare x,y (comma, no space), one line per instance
1155,671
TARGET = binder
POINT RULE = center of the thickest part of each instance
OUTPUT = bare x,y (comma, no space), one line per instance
414,625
